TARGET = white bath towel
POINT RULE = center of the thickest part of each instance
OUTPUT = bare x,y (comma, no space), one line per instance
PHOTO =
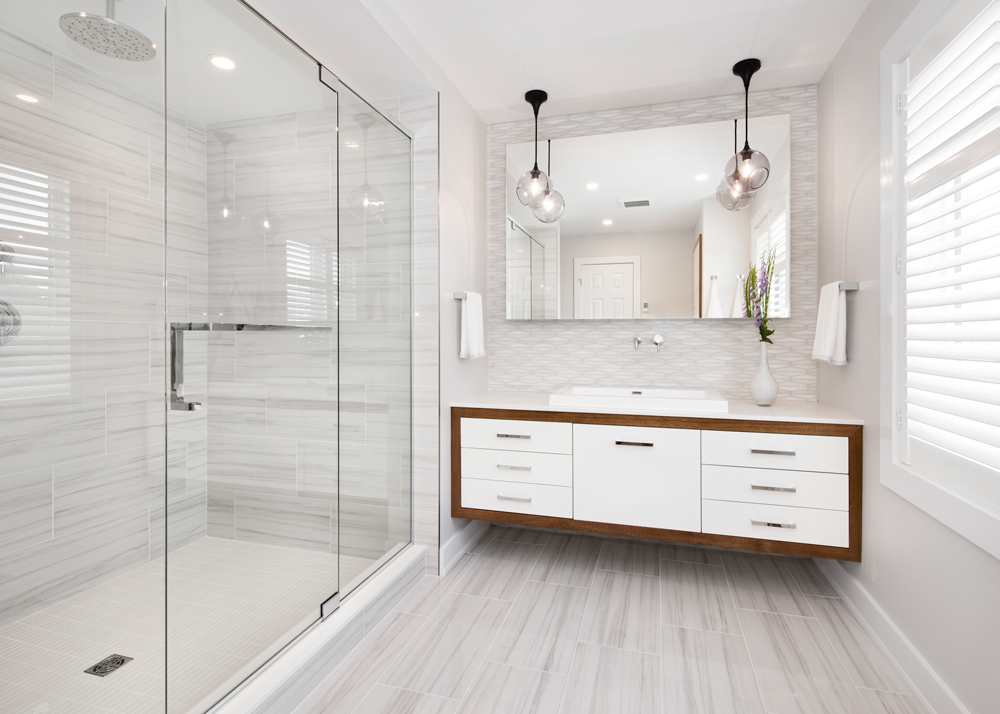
714,308
831,326
740,299
473,340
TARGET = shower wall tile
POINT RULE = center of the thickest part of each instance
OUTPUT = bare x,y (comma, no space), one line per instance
295,179
252,464
221,503
40,575
256,296
109,354
177,293
177,467
316,469
25,65
25,509
235,407
134,417
222,355
316,129
302,411
284,355
197,295
187,522
92,491
236,241
387,415
352,413
197,464
375,354
247,137
371,292
187,237
78,216
50,430
135,226
106,287
304,242
283,520
371,474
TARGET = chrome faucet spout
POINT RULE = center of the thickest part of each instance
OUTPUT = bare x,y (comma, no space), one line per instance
636,341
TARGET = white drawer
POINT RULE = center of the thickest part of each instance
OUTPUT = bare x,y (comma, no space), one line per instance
798,452
548,437
531,498
807,489
518,466
750,520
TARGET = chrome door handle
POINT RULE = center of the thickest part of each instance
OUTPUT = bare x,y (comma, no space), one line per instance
759,487
501,497
513,436
633,443
772,452
505,467
772,524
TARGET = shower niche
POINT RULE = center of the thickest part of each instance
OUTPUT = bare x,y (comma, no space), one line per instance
195,432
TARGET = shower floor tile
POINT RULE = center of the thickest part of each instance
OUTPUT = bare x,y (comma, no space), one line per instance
232,605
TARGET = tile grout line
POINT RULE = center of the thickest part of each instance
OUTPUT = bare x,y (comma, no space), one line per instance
746,644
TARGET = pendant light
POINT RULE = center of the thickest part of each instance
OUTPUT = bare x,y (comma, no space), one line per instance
365,201
747,168
531,186
733,197
553,204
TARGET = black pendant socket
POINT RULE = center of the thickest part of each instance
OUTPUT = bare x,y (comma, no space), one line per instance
745,69
537,97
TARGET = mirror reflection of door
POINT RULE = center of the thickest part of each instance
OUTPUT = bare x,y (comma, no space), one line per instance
607,288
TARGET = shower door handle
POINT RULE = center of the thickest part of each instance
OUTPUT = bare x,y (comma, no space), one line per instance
177,330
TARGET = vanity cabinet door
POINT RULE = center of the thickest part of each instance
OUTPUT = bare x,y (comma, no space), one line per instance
637,476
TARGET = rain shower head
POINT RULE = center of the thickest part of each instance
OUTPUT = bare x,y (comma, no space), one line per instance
107,36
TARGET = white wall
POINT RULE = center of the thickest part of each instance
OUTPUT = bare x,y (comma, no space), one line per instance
666,267
941,591
725,251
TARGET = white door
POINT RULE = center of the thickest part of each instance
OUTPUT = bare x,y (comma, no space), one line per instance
637,476
606,291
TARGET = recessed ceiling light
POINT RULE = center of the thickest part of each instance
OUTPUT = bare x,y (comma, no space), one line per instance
28,98
607,221
351,144
592,186
222,62
701,177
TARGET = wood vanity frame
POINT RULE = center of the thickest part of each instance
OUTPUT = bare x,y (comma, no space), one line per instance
852,431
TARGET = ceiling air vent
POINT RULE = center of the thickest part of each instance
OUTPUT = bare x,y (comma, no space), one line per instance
633,203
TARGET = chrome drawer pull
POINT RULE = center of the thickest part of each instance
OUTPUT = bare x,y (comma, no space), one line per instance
772,524
513,436
513,468
633,443
786,489
519,499
772,452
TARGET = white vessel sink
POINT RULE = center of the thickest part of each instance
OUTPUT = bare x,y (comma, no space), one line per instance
665,400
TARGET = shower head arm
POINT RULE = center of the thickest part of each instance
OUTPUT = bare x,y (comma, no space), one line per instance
110,11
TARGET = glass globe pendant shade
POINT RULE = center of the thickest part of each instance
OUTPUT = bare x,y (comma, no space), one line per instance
531,187
366,202
749,166
551,208
733,199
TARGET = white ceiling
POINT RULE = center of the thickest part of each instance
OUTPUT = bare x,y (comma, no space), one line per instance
658,164
594,54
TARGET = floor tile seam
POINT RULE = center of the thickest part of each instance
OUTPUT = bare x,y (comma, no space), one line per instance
414,691
693,562
625,649
889,691
624,572
783,614
701,629
521,666
449,591
746,642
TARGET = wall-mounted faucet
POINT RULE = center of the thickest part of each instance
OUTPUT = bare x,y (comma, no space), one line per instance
636,341
657,340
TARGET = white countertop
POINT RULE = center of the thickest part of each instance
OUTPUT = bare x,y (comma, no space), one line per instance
781,410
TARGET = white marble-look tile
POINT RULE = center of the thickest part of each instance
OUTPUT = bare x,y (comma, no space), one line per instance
501,689
698,596
867,666
534,536
425,598
387,415
371,473
484,539
303,243
106,287
25,65
237,240
47,430
444,656
500,571
186,524
619,611
197,464
316,128
236,407
809,578
797,669
369,531
221,357
606,680
383,699
135,226
109,354
221,506
284,355
94,490
762,582
316,469
690,554
541,631
372,293
77,214
426,485
245,463
352,414
245,137
630,556
568,560
302,410
25,509
293,179
890,702
187,238
283,520
707,672
375,353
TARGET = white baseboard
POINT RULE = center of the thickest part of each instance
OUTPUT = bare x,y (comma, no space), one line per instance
459,544
925,683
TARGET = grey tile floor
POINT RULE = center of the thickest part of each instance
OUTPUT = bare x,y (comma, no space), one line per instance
536,622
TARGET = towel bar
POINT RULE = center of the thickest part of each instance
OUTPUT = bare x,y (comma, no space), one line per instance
844,287
458,296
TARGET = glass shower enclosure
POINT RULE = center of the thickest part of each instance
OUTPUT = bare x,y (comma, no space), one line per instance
205,390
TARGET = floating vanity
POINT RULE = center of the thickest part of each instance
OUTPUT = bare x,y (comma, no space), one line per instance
781,479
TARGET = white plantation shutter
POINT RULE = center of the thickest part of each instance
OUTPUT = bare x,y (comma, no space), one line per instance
771,233
949,122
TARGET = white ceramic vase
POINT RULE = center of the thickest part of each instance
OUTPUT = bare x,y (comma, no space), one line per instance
764,387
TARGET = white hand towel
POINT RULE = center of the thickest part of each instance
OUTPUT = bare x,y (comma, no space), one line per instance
714,308
831,326
740,300
473,341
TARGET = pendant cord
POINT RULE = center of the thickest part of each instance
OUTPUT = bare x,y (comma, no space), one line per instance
549,169
736,134
746,117
536,138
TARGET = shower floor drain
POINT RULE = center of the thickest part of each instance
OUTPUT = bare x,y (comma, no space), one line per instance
108,665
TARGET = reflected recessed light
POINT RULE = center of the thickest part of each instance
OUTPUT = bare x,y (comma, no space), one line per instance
222,62
591,186
28,98
351,144
607,221
701,177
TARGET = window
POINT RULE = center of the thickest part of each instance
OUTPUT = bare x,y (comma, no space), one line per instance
947,158
770,233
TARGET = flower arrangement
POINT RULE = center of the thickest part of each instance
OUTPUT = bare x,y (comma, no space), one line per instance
757,295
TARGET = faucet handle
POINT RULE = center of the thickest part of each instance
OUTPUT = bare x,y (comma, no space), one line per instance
636,341
657,340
